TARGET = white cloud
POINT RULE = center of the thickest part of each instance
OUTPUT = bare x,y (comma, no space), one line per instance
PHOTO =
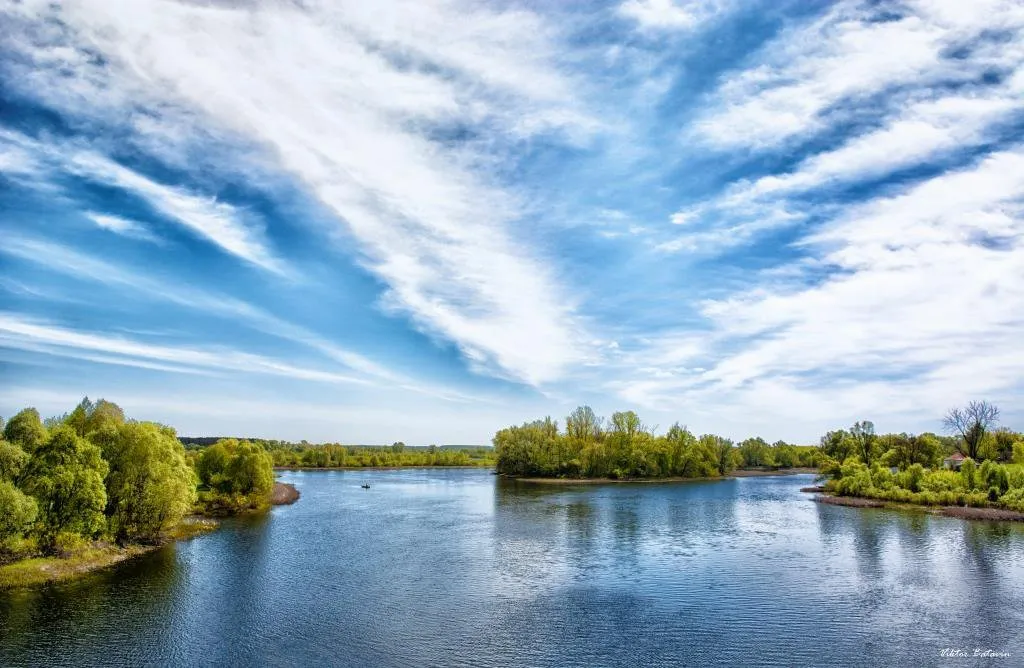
358,130
84,267
663,14
849,54
222,224
123,226
926,290
22,333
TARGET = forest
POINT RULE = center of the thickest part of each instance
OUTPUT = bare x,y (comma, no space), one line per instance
94,475
974,464
624,448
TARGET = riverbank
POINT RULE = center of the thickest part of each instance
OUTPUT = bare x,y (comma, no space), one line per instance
101,554
960,512
96,556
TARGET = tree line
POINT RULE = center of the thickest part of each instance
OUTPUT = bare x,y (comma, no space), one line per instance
624,448
923,469
92,473
335,455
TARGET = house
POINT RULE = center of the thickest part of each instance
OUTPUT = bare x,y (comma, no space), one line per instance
954,461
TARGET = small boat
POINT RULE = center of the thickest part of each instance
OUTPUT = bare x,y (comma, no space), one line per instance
365,486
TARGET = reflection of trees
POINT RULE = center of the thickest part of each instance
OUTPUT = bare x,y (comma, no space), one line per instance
126,601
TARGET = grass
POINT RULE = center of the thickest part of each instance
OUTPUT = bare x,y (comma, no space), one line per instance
93,557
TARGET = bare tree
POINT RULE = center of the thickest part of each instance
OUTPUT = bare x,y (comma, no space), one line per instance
970,424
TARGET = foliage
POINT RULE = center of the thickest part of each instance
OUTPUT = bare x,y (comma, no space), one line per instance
916,461
335,455
92,474
622,448
150,486
25,430
237,475
65,475
19,512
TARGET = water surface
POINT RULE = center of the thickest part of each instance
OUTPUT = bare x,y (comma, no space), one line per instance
458,568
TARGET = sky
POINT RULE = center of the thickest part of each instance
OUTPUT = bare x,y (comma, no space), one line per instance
338,220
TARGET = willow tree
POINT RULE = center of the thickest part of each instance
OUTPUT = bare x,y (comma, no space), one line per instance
150,486
65,475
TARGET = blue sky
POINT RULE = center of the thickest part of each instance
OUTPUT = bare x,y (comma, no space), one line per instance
365,222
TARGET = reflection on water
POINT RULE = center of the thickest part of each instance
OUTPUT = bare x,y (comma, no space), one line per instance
454,567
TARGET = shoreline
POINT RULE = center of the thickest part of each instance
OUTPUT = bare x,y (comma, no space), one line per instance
956,512
99,555
749,473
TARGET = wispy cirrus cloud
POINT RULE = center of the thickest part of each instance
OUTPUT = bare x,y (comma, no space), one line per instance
802,77
123,226
923,287
19,332
365,132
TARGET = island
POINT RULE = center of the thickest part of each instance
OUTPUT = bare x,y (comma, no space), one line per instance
592,449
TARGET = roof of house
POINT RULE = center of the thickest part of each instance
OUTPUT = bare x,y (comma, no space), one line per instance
955,457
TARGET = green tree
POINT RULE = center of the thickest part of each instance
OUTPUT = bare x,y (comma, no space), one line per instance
18,513
13,461
753,451
251,471
26,430
865,441
837,445
65,475
903,450
723,452
583,425
150,486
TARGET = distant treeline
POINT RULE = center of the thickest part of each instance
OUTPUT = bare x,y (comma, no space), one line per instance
195,442
624,448
335,455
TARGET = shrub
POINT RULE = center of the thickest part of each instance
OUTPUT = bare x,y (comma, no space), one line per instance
941,481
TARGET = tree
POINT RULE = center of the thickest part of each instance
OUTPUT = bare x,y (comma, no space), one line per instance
26,430
1004,440
150,486
753,451
865,441
65,475
251,471
904,450
583,425
971,424
13,461
724,453
397,447
19,511
837,445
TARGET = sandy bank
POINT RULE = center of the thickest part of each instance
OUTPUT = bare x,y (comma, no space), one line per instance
283,494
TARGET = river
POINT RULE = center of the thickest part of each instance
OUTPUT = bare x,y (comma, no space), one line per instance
454,567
